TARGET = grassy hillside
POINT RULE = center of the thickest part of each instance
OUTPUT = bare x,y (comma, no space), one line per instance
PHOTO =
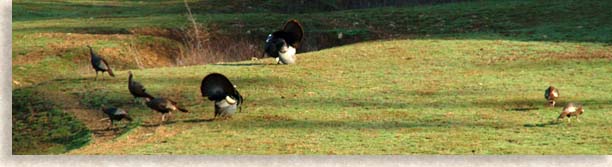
460,78
54,34
386,97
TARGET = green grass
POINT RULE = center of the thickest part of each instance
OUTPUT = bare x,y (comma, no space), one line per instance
40,128
560,21
407,99
451,79
528,20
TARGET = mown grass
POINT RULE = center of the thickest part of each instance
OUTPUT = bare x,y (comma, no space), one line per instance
468,80
384,97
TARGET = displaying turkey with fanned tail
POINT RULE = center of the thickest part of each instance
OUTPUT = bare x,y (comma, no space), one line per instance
116,114
137,89
551,94
283,44
571,110
219,89
164,106
99,64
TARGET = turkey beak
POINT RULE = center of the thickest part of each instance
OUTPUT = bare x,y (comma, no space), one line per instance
230,100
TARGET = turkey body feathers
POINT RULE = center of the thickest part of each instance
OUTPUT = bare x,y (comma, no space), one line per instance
117,114
224,108
219,89
137,89
571,110
164,105
98,63
109,70
216,87
284,43
551,93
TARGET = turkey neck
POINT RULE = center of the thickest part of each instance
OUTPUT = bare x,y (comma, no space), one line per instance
91,52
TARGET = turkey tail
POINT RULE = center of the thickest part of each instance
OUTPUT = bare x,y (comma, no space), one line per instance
148,96
562,115
129,118
295,31
110,72
175,104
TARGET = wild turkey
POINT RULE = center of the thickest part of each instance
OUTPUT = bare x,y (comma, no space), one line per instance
551,94
136,89
571,110
283,44
164,106
99,64
219,89
116,114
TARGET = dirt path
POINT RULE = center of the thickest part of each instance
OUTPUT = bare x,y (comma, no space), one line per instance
91,119
94,119
103,139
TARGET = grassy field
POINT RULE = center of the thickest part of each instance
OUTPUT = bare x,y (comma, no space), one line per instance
461,78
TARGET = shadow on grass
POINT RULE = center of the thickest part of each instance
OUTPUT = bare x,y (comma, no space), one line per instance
170,122
239,65
542,124
357,125
524,109
365,102
116,130
198,120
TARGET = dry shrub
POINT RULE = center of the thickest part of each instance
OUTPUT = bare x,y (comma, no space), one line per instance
202,46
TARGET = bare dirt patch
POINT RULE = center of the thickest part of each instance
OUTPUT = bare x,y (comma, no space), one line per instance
580,55
275,117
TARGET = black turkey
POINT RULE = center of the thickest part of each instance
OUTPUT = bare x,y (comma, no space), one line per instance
219,89
99,64
164,106
571,110
551,94
116,114
136,89
283,44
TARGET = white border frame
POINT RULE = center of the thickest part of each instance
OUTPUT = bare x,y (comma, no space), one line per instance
7,159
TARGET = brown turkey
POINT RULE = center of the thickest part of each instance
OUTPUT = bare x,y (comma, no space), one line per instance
136,89
551,94
99,64
116,114
164,106
571,110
